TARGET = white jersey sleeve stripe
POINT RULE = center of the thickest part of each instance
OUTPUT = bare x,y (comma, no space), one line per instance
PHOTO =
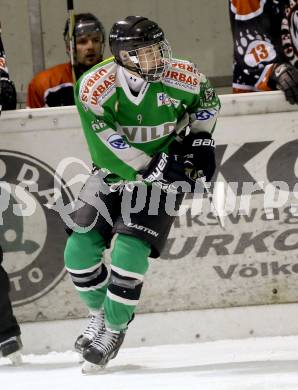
129,274
131,156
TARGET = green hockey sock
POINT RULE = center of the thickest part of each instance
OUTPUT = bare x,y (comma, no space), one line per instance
83,260
128,267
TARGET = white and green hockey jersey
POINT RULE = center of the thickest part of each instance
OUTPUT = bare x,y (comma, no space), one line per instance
124,131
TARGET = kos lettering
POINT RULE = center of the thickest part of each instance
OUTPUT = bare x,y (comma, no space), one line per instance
27,182
280,165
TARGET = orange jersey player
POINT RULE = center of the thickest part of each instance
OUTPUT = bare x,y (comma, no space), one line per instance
265,38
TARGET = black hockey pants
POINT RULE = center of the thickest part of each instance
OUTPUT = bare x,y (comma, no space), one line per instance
8,323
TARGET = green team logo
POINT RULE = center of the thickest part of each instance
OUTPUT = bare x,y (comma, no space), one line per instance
31,234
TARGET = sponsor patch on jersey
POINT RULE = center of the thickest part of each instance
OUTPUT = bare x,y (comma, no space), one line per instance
204,115
184,65
209,94
117,142
102,88
184,76
96,87
140,134
89,81
98,125
164,100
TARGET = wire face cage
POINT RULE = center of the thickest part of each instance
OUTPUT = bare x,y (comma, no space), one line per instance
152,60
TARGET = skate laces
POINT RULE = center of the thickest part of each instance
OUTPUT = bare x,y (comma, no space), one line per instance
106,341
95,326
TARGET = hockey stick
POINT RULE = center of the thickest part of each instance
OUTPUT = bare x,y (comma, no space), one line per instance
3,66
183,125
218,216
8,96
72,37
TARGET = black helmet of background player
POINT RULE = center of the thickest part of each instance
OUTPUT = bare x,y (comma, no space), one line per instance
85,24
139,45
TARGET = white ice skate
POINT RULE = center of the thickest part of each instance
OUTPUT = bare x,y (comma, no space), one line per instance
10,348
89,368
104,348
94,328
16,358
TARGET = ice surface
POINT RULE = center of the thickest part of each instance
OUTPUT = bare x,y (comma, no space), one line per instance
260,364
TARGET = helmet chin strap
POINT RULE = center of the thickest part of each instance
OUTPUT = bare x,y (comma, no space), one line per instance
137,69
134,70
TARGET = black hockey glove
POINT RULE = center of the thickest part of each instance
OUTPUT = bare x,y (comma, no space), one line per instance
165,170
286,78
8,97
199,155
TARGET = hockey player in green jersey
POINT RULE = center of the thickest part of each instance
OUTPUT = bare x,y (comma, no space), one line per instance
132,106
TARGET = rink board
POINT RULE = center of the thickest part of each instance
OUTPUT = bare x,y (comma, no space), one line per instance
252,262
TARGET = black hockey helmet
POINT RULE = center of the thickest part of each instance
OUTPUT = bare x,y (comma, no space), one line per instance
133,34
84,24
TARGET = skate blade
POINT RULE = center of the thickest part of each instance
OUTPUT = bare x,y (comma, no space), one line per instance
15,358
89,368
81,359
